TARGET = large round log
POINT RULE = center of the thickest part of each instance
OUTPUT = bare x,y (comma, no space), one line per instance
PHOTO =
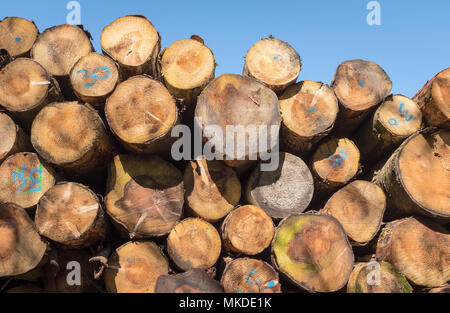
274,63
359,207
247,275
212,189
397,118
133,42
193,281
418,248
93,78
434,99
135,268
58,49
24,178
25,88
14,139
21,247
309,110
70,214
422,155
145,195
313,252
194,243
72,136
359,86
285,191
249,110
17,35
141,113
377,277
247,230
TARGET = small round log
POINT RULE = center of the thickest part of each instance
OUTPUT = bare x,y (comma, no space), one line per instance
133,42
21,247
145,195
212,189
93,78
247,230
309,110
274,63
17,35
24,178
135,268
285,191
313,252
14,139
192,281
70,214
141,113
418,248
247,275
194,243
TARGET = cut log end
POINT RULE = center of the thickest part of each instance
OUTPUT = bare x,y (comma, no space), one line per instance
247,230
94,77
247,275
313,252
212,189
14,140
24,178
274,63
194,243
17,35
192,281
71,214
135,268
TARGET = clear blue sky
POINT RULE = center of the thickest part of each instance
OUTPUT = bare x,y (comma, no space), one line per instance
412,43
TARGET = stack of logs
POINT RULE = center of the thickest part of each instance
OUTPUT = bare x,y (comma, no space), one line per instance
93,199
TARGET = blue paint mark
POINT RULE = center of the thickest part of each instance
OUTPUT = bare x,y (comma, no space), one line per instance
94,75
361,83
400,109
275,58
249,275
393,122
337,161
312,110
18,39
18,176
269,285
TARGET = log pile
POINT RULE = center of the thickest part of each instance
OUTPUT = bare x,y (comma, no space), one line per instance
94,199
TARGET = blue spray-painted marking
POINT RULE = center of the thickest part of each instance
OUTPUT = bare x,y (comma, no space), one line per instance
312,110
249,275
19,176
94,75
361,83
337,161
18,39
393,122
269,285
275,58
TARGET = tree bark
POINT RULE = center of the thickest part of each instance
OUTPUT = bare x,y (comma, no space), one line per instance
5,58
274,63
70,214
192,281
58,48
24,178
359,207
284,191
247,230
21,247
72,136
17,35
313,252
309,110
145,195
424,154
135,268
247,275
194,243
359,86
212,189
397,118
141,113
14,139
433,100
133,42
93,78
418,248
25,88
